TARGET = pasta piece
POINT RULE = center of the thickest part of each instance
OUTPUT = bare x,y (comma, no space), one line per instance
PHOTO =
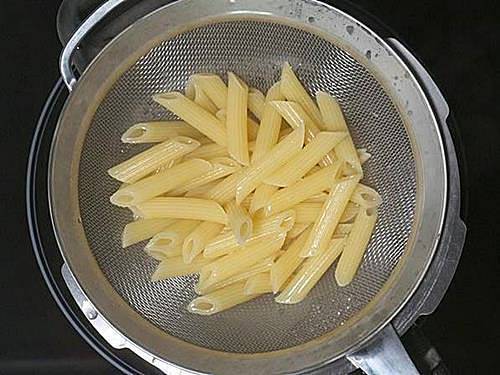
349,213
148,161
252,126
296,230
262,195
254,174
329,216
194,115
225,190
142,229
270,124
355,246
197,239
293,91
208,151
317,198
365,196
220,300
221,167
307,213
227,243
176,267
183,208
173,236
309,186
310,273
258,284
236,119
256,102
213,86
333,119
286,265
262,266
158,131
203,100
163,254
160,183
295,115
304,160
363,155
243,258
239,221
201,191
342,230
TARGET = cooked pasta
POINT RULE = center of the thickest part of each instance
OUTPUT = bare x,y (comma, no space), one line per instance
176,267
198,238
173,236
213,86
236,119
239,221
258,284
142,229
365,196
202,99
256,100
158,131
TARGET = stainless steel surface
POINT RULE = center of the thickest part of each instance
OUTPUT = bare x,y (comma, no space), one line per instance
384,355
65,64
387,111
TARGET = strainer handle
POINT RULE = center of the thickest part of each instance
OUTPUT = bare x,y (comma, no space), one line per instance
65,61
384,354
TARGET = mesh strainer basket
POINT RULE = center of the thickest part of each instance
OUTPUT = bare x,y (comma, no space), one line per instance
389,113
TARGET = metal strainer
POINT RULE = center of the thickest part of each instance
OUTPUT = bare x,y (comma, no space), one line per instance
387,112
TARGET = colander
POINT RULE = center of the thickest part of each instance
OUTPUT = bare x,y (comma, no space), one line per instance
393,109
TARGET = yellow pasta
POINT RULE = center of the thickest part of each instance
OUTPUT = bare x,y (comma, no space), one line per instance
183,208
201,191
158,131
241,259
226,243
254,174
163,254
236,119
333,119
363,155
173,236
262,195
302,189
221,167
308,157
256,102
176,267
160,183
297,230
225,190
252,126
329,216
258,284
310,273
148,161
355,246
239,221
202,99
197,239
365,196
208,151
142,229
220,300
194,115
286,264
213,86
293,91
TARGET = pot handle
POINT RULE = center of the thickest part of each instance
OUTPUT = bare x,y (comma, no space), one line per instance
65,63
384,354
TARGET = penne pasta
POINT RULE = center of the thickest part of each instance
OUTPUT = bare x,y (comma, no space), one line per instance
163,254
306,159
221,167
297,230
194,115
176,267
213,86
329,216
203,100
258,284
142,229
158,131
239,221
310,273
256,102
182,208
160,183
172,237
201,191
220,300
252,126
303,189
236,119
307,213
242,259
254,174
292,90
198,238
365,196
148,161
355,245
334,120
227,243
286,265
317,198
262,195
363,155
225,190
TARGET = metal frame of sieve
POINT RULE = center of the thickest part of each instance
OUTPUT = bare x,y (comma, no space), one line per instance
121,325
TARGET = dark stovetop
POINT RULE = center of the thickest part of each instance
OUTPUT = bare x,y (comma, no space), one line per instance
458,42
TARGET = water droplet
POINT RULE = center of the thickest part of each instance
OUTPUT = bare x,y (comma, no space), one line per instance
350,29
368,54
311,19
